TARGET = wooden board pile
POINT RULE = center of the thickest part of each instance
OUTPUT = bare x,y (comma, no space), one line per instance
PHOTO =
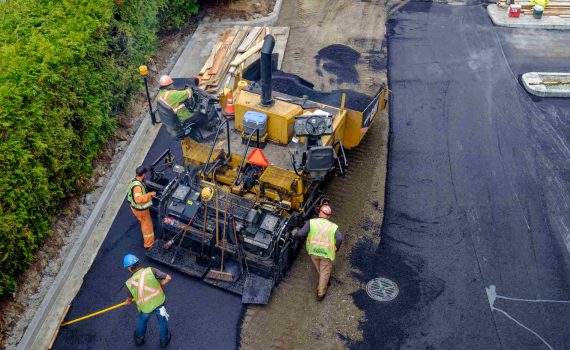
559,8
239,45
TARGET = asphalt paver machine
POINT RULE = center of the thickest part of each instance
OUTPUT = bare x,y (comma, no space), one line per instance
227,214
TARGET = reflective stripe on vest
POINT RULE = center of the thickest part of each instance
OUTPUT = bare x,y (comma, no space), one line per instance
164,99
131,196
146,290
321,238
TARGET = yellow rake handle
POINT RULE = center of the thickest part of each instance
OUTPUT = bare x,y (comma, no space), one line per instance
95,313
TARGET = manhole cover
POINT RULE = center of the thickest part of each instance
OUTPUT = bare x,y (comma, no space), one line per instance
382,289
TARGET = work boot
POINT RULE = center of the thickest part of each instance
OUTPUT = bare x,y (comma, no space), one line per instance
164,344
138,341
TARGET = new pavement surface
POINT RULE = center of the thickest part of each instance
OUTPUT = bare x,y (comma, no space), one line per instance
478,190
201,316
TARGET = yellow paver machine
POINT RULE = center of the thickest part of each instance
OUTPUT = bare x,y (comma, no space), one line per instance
229,213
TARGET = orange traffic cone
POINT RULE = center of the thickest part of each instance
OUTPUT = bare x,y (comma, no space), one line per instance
229,111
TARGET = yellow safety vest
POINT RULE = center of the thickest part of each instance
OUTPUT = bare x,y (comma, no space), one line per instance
131,196
175,100
146,290
321,239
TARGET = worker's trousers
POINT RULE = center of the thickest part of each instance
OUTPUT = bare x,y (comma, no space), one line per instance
142,322
146,226
324,268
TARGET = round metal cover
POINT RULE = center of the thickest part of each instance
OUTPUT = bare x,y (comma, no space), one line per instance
382,289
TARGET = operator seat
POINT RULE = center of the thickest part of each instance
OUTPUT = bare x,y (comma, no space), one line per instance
173,125
319,161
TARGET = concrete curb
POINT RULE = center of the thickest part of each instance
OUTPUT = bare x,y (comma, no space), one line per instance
69,279
500,17
546,90
47,312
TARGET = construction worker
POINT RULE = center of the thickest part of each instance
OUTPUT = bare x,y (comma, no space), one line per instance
145,289
323,241
174,99
140,202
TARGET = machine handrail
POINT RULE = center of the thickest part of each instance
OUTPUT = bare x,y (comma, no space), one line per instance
227,123
256,130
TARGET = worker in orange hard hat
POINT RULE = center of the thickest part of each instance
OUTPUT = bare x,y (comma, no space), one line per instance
323,241
171,102
140,202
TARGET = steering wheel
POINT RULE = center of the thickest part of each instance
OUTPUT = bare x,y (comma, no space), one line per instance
316,125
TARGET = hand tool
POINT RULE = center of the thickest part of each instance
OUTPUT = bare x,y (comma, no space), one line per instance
94,314
168,244
203,259
221,275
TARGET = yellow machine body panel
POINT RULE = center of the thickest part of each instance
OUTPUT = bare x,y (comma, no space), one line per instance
280,115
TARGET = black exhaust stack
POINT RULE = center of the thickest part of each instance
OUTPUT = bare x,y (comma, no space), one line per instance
266,67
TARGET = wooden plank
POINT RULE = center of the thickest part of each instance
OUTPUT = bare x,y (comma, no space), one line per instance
253,33
229,55
239,59
210,59
226,40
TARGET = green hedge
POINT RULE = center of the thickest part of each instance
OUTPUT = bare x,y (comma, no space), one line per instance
65,67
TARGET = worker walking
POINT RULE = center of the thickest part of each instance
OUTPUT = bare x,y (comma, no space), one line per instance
174,100
140,202
323,241
145,288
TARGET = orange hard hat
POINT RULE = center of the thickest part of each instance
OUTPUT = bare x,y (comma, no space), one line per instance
165,80
325,209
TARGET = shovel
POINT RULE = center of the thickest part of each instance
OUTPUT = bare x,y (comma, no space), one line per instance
221,275
203,259
168,244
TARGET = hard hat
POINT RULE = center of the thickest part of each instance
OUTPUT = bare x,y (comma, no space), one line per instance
207,194
165,80
325,209
130,260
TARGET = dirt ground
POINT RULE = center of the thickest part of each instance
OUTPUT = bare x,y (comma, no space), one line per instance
347,52
236,9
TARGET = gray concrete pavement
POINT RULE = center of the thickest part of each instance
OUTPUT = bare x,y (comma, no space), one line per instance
547,84
500,17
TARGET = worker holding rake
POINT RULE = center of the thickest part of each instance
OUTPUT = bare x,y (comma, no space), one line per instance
145,287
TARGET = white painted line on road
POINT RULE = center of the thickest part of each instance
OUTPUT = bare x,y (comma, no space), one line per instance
534,300
492,296
523,326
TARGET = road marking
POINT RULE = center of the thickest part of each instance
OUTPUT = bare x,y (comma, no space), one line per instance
492,296
523,326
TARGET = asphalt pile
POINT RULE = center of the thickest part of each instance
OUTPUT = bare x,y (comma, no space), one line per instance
339,60
294,85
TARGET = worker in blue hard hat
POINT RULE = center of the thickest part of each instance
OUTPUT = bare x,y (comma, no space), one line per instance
145,288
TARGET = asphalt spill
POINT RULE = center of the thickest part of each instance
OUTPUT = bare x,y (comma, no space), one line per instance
340,61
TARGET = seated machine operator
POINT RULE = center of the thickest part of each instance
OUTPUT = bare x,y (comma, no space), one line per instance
174,99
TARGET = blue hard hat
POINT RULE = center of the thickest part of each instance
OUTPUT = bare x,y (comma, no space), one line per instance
130,260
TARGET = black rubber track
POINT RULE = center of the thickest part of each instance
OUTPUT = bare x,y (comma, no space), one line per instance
478,188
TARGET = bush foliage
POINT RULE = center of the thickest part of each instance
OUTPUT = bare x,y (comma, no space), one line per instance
65,66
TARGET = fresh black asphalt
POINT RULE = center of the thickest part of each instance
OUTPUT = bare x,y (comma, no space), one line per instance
478,189
201,316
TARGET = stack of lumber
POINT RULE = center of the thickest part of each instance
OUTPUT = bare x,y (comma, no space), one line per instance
559,8
238,46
